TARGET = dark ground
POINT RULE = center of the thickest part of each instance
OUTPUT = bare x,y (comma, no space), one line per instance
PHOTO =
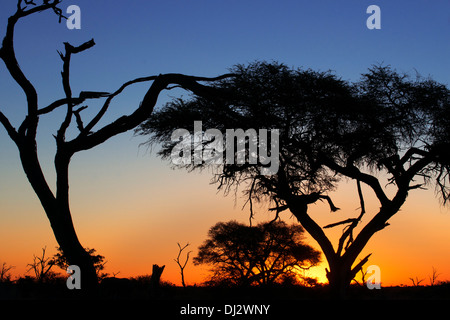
28,289
135,300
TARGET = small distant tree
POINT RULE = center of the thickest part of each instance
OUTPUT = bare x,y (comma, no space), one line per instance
5,275
415,281
182,265
41,266
259,255
433,277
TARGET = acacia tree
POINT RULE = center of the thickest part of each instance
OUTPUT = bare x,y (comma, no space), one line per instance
87,134
385,125
255,255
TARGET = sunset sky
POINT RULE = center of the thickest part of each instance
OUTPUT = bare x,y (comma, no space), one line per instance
130,205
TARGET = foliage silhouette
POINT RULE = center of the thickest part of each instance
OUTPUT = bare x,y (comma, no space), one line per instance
87,134
42,267
60,260
260,255
385,125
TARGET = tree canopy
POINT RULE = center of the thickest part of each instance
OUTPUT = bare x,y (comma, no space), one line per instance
319,116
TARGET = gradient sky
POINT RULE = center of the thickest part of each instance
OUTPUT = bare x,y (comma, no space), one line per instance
127,203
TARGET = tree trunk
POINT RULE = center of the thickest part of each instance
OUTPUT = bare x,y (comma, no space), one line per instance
339,278
67,239
338,274
341,273
155,280
63,225
156,275
58,212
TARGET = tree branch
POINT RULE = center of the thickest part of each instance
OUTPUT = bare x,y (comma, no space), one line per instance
84,95
419,165
21,12
78,118
333,208
105,107
60,137
412,151
7,54
443,187
278,208
125,123
361,198
9,128
353,172
331,225
359,266
348,230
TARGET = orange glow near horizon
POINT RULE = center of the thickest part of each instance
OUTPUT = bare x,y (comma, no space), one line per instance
135,215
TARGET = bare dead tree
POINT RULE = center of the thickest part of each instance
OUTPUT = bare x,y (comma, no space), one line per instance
56,204
415,281
182,265
41,266
5,275
434,276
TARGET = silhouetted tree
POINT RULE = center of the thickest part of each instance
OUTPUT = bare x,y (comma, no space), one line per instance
182,265
262,254
42,267
385,125
87,135
5,275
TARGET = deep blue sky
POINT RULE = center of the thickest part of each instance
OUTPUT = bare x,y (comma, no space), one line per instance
204,38
139,38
